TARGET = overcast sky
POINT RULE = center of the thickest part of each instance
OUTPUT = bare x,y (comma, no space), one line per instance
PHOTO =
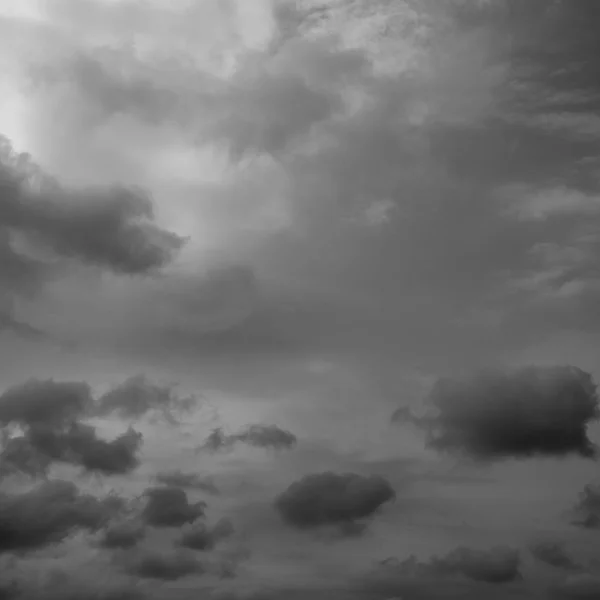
328,267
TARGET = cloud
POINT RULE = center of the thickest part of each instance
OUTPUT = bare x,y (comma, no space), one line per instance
201,537
186,480
167,565
19,455
76,444
554,554
44,402
259,436
585,586
169,507
528,411
586,512
47,515
111,227
136,396
122,534
332,499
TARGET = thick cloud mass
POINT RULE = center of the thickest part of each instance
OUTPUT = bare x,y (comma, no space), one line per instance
169,507
201,537
168,565
47,515
77,444
122,534
137,396
587,509
530,411
44,402
186,480
258,436
554,554
331,498
111,227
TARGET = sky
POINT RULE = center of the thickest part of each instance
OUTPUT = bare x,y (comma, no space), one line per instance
299,298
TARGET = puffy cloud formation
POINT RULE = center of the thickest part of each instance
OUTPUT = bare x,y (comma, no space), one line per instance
137,396
201,537
122,534
47,402
258,436
497,565
554,554
332,499
167,565
47,515
111,227
525,412
77,444
587,509
191,481
169,507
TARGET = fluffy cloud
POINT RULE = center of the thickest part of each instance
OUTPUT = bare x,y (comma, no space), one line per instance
169,507
122,534
554,554
46,515
201,537
137,396
167,565
186,480
259,436
109,227
495,415
332,499
77,444
44,402
587,509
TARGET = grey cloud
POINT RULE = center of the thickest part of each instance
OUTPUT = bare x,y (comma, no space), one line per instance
187,480
199,536
169,507
19,455
122,534
137,396
79,444
109,227
554,554
167,565
332,499
528,411
259,436
586,512
46,515
579,587
44,402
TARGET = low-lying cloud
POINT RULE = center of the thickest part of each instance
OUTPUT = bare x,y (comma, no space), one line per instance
332,499
520,413
258,436
169,507
201,537
586,512
191,481
47,515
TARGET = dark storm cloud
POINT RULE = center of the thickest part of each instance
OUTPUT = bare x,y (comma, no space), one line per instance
579,587
554,554
19,455
122,534
169,507
111,227
76,444
586,512
46,515
191,481
137,396
332,499
259,436
499,565
199,536
44,402
525,412
167,565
